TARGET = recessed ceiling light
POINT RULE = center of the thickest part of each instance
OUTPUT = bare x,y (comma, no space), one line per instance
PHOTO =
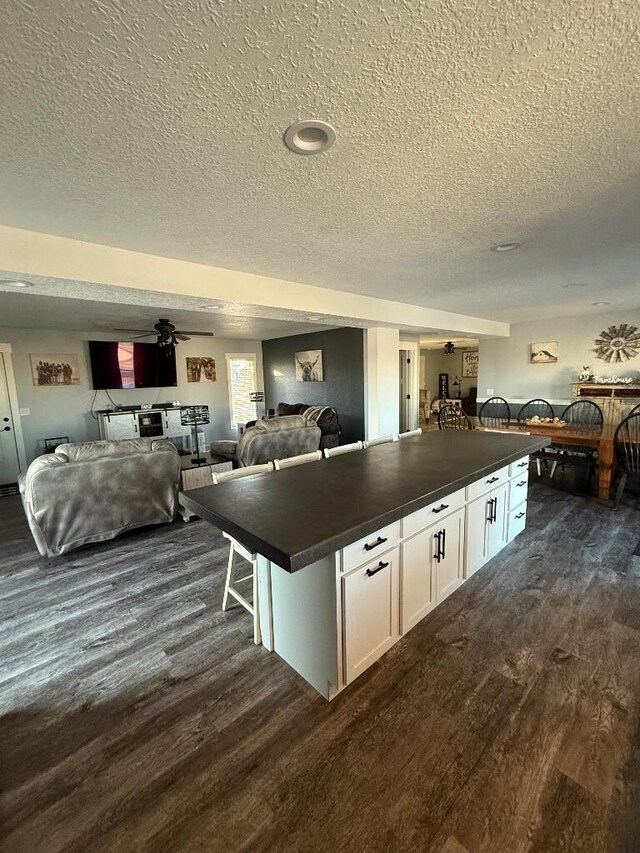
597,304
19,283
509,246
574,284
309,137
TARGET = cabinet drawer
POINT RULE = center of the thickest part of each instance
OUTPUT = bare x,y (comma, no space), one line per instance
369,613
518,489
432,513
517,521
370,546
519,467
487,483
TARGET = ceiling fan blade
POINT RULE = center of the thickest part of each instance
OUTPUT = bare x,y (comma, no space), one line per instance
148,335
199,334
181,336
131,331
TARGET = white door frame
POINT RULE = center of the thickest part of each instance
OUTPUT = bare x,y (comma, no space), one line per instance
414,374
5,350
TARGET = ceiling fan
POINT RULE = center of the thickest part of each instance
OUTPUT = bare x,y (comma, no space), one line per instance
166,333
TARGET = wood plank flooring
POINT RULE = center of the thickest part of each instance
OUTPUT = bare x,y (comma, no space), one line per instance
136,716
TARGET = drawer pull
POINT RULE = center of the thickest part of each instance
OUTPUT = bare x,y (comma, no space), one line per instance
440,508
522,464
493,510
371,572
520,515
372,545
492,480
522,483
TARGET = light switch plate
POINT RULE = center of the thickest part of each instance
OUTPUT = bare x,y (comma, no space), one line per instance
25,412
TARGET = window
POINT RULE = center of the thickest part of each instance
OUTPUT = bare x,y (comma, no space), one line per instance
241,370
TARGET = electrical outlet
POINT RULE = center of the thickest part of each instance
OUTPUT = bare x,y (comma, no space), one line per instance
489,392
25,412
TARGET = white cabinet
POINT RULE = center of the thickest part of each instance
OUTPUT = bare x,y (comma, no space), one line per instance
516,521
485,528
119,425
369,613
447,557
172,424
368,547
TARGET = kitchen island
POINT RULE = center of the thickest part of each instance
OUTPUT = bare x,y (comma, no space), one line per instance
351,552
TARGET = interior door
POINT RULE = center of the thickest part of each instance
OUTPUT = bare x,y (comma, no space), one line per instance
9,461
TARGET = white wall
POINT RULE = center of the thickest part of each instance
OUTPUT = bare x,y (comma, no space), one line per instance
66,410
505,368
382,381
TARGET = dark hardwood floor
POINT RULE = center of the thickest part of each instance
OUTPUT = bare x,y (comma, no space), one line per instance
136,716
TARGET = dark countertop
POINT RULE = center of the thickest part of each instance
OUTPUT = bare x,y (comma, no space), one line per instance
298,515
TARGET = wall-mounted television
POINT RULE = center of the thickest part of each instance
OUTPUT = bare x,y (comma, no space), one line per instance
129,364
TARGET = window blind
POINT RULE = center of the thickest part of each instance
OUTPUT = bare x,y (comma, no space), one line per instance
242,381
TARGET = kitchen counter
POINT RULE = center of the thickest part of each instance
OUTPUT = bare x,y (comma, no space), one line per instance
299,515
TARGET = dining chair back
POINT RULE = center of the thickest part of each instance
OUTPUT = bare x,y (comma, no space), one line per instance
583,413
343,448
452,417
627,449
494,412
292,461
538,407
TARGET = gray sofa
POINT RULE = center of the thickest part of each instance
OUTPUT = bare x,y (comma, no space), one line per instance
93,491
275,438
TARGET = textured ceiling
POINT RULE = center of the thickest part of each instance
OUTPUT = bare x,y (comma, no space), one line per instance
158,127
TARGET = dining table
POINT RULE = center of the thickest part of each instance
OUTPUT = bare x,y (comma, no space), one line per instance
574,435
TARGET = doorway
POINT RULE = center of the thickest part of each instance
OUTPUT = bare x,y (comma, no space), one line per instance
12,460
408,388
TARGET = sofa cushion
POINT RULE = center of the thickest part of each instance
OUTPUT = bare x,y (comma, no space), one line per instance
279,424
87,451
289,409
224,448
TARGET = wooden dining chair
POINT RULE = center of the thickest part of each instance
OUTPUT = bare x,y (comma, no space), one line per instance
343,448
494,412
236,549
542,409
626,442
452,417
581,416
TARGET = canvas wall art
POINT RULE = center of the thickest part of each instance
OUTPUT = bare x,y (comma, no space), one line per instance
469,364
201,369
53,370
309,366
545,352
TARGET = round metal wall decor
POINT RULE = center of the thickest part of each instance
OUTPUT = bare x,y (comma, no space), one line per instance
618,343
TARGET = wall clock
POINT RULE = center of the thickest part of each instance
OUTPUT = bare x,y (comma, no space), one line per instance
618,343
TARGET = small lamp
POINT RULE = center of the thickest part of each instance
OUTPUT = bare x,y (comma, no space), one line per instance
194,416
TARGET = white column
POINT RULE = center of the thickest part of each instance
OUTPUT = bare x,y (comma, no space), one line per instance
382,381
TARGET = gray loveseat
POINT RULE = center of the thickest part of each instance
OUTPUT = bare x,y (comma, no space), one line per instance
275,438
93,491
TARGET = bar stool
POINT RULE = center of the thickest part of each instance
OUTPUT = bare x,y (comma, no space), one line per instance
292,461
384,439
236,549
344,448
410,433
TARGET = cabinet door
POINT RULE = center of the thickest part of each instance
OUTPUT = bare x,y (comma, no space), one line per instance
173,426
369,613
447,560
476,534
416,599
496,529
121,426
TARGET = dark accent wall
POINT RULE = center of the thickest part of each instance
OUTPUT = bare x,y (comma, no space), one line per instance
343,367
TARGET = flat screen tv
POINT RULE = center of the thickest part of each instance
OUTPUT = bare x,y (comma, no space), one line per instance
128,364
